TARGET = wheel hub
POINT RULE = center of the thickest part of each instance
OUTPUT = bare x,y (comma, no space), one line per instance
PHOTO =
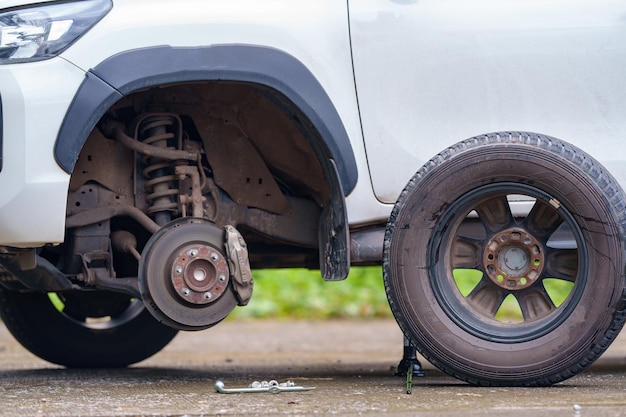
199,274
185,278
513,259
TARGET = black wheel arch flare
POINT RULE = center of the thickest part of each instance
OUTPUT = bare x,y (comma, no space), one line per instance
133,70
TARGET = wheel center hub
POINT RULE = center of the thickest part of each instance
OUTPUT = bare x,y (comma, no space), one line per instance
513,259
199,274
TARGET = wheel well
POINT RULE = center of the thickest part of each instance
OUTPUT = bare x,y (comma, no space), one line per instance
259,119
282,80
257,150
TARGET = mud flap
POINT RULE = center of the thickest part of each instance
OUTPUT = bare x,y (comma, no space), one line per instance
334,251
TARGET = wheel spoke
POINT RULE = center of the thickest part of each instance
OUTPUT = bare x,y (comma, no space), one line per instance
495,213
542,221
465,253
534,302
487,297
562,264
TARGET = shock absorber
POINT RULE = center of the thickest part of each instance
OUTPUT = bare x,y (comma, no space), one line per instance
168,160
160,130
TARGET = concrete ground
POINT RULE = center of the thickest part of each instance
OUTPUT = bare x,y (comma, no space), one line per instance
349,362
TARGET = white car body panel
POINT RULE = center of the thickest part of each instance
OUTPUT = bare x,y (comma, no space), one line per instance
34,187
432,73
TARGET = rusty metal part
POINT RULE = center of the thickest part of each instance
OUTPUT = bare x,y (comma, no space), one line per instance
186,255
366,246
102,280
240,265
126,242
273,131
287,148
94,165
196,199
513,259
161,131
97,267
95,260
299,227
238,167
199,274
160,195
116,129
220,113
91,238
108,212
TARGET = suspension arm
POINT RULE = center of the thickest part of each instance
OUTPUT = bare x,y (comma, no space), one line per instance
116,130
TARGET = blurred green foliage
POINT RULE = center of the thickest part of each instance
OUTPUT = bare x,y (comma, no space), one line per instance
302,293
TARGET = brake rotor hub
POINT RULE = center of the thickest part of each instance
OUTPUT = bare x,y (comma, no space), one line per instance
186,278
199,274
513,259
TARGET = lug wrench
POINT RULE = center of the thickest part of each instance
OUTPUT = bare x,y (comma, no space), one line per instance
272,387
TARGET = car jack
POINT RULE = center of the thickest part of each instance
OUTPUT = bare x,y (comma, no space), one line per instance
409,366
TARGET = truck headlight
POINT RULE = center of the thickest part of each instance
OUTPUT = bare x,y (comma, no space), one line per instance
42,31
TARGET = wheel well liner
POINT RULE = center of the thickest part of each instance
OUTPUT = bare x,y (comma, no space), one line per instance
134,70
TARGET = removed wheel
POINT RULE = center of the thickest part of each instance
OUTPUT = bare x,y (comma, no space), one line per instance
83,329
504,260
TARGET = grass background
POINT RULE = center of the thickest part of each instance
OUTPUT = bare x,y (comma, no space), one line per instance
303,294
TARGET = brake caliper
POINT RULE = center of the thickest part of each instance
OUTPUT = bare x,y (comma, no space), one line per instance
240,270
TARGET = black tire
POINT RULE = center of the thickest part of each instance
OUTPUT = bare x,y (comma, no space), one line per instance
456,215
94,330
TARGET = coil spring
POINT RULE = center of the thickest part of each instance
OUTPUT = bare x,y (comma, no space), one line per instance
160,130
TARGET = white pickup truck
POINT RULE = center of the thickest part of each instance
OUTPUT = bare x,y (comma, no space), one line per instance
154,153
